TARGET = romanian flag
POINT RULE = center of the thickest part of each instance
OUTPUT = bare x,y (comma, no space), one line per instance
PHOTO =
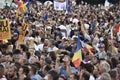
22,9
77,58
86,46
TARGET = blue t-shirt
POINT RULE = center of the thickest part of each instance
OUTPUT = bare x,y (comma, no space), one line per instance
64,72
36,77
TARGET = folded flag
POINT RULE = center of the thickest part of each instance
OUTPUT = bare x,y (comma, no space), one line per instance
77,57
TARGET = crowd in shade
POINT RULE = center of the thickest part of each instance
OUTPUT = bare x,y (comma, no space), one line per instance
53,38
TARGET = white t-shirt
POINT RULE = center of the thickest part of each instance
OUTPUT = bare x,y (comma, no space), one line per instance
86,36
75,21
46,77
40,47
4,78
37,39
91,77
87,26
68,30
25,39
62,27
36,47
118,35
52,49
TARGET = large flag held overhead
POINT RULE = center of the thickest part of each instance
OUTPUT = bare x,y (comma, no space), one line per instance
22,9
77,58
21,2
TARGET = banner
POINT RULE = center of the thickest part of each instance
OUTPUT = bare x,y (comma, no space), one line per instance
5,32
59,5
22,32
8,2
107,4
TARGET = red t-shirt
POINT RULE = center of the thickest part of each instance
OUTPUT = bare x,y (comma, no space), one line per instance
116,28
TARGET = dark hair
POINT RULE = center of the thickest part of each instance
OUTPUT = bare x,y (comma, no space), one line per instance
86,76
42,40
76,76
37,65
38,54
28,55
52,55
37,33
47,60
9,43
59,36
18,65
25,70
27,78
113,73
3,46
62,77
52,41
89,67
16,51
1,69
53,74
24,48
9,53
26,33
114,62
58,29
45,45
48,68
64,53
33,69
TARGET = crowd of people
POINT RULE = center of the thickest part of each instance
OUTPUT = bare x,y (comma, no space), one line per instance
49,44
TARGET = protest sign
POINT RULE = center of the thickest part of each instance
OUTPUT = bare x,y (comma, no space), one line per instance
22,32
60,6
5,32
31,46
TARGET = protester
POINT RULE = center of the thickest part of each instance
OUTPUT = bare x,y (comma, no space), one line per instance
2,76
51,40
